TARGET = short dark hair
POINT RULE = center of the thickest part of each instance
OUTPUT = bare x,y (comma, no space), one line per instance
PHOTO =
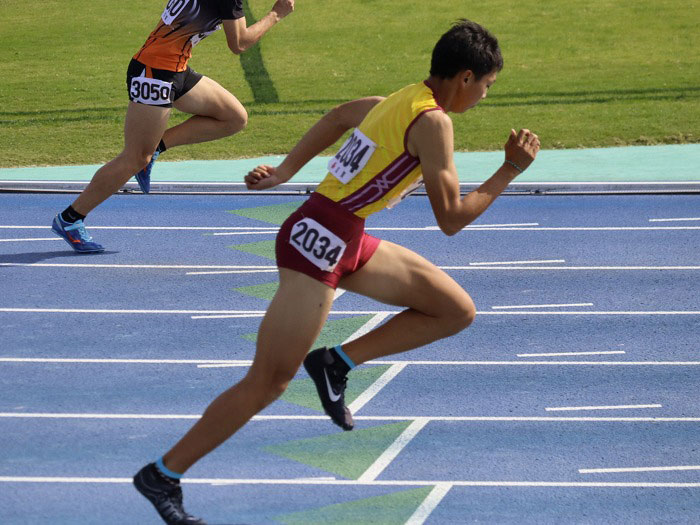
465,46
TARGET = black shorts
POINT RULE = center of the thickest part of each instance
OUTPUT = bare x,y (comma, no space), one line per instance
158,87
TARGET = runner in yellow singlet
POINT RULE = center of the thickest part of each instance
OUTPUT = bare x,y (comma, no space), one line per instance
158,79
396,142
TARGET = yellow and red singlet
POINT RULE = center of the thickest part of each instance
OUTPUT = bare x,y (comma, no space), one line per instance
391,172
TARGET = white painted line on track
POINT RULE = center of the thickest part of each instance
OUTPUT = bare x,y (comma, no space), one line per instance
232,316
224,365
637,469
222,272
474,227
271,267
604,407
676,219
147,266
557,354
293,417
390,454
175,228
352,482
79,360
429,504
368,326
516,262
333,312
578,268
259,232
375,387
226,316
35,239
236,362
541,306
338,293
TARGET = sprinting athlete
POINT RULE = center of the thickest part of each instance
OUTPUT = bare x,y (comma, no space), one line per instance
396,143
158,79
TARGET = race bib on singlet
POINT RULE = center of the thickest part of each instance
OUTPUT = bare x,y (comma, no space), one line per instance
173,10
318,244
150,91
352,157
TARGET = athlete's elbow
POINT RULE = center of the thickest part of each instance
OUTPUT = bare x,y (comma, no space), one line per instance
236,49
449,227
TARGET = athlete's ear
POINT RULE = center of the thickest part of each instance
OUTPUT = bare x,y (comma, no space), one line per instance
468,75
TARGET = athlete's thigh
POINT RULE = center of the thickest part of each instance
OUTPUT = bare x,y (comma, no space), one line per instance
144,126
209,99
398,276
292,321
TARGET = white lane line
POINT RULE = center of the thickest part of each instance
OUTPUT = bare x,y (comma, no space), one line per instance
375,387
637,469
338,293
148,266
69,360
260,232
231,316
578,268
222,272
676,219
541,306
226,365
174,228
383,461
293,417
557,354
270,267
517,262
368,326
333,312
429,504
34,239
236,362
474,227
604,407
352,482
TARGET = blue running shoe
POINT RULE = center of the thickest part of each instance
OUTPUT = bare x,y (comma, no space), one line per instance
143,177
75,235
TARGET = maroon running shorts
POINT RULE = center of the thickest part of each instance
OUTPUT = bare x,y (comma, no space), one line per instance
324,241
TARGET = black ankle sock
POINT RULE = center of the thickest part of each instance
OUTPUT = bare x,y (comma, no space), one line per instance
70,215
338,365
161,146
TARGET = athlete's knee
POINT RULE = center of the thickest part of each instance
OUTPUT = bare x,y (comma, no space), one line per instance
135,159
235,119
271,384
460,314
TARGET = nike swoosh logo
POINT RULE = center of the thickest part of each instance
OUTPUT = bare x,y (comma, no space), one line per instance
334,397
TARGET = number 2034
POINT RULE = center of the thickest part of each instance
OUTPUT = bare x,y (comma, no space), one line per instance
319,245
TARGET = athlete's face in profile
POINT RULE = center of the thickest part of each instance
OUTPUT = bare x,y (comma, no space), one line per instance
472,90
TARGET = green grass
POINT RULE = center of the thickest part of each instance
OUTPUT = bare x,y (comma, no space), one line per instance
600,73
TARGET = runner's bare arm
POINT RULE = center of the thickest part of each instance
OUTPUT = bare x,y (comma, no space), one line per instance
322,135
240,37
432,140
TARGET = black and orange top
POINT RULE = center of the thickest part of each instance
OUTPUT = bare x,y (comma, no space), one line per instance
182,25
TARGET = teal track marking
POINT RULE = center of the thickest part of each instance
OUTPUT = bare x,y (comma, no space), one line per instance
674,163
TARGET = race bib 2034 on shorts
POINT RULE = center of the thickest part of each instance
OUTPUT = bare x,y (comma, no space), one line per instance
351,157
318,244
